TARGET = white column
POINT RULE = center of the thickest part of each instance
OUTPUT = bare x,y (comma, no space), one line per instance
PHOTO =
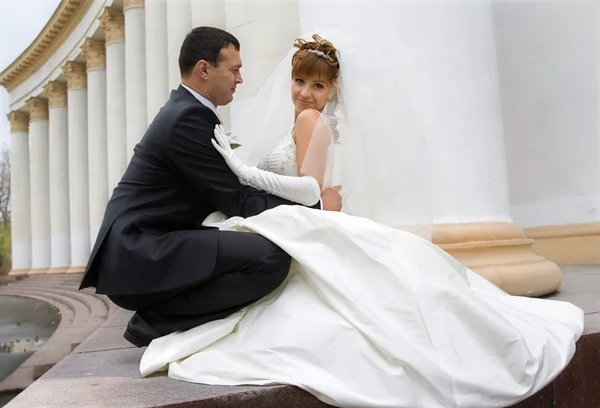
60,224
450,73
254,23
157,65
95,53
208,13
20,193
112,22
40,185
135,72
78,165
445,56
179,23
212,13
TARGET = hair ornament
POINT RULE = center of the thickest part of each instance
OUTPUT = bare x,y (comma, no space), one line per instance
319,53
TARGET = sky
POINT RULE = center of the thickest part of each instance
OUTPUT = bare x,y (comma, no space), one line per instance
20,23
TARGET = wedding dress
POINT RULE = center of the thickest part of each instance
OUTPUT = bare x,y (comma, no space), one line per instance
371,316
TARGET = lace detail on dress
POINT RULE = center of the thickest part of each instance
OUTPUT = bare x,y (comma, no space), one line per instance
282,159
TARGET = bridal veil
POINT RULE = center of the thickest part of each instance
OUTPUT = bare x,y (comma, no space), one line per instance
377,151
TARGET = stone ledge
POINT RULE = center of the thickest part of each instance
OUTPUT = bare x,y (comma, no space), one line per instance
104,372
109,378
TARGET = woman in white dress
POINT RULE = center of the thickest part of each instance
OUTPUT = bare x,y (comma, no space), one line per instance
370,315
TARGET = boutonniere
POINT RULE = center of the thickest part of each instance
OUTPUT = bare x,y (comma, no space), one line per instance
233,143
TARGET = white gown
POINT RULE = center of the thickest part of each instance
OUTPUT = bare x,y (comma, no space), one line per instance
371,316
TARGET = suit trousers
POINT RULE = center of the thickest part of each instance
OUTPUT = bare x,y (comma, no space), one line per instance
248,267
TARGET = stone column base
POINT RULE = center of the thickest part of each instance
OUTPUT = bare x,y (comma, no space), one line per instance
19,272
57,270
76,269
501,253
38,271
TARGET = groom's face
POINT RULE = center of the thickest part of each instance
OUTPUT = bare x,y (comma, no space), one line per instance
224,78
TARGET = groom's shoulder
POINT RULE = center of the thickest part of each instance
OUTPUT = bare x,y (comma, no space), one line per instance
179,109
182,104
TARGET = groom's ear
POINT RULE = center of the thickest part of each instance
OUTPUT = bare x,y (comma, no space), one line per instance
202,69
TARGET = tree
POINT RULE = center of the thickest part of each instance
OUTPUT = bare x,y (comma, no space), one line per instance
5,234
5,188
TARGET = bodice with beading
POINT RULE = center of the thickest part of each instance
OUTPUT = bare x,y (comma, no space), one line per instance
282,159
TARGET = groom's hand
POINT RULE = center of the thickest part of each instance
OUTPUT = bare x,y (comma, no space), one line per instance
332,201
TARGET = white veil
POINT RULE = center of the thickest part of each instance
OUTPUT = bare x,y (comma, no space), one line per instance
377,154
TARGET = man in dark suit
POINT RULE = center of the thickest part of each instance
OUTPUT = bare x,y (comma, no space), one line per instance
152,255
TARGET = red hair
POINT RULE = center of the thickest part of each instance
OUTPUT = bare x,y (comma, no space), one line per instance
316,58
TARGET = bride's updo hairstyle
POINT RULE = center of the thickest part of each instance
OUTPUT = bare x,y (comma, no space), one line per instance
316,58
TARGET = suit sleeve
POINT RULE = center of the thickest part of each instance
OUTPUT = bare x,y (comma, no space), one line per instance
192,156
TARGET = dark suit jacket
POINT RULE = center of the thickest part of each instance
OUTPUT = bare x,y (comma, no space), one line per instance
151,239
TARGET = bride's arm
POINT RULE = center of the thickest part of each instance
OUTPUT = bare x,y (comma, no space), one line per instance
302,190
311,145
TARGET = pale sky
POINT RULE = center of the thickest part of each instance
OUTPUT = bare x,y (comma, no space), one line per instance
20,23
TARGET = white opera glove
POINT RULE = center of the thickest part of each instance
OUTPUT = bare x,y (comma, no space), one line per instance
303,190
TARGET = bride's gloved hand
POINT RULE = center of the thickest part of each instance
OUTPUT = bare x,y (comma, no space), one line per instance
303,190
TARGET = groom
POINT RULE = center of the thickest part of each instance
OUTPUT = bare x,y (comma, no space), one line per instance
152,255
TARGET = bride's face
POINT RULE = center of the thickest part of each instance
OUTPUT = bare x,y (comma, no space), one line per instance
309,93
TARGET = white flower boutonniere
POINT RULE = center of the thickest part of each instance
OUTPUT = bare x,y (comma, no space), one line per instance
233,143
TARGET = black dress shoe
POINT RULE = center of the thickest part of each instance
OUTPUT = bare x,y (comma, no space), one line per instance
139,332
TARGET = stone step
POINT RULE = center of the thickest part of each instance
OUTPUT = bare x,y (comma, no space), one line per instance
5,279
52,276
35,285
67,313
54,285
81,311
81,315
98,307
57,284
48,283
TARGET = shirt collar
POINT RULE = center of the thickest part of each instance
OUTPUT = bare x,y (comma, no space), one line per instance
202,99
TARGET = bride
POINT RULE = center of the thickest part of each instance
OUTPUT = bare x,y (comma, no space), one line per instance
372,314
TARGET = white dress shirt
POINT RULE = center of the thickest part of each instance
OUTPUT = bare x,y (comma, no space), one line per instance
202,100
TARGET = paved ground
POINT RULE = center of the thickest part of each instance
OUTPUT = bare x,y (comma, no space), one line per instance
581,286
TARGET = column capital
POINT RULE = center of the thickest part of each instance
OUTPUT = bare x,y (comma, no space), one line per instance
112,22
57,93
95,53
38,108
19,121
75,73
133,3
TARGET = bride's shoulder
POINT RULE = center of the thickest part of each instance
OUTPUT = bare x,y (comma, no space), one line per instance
305,124
308,117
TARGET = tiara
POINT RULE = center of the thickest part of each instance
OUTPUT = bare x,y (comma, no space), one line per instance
319,53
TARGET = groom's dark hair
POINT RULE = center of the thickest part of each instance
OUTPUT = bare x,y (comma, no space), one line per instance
204,43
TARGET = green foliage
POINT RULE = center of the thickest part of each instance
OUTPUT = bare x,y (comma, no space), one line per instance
5,213
5,247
